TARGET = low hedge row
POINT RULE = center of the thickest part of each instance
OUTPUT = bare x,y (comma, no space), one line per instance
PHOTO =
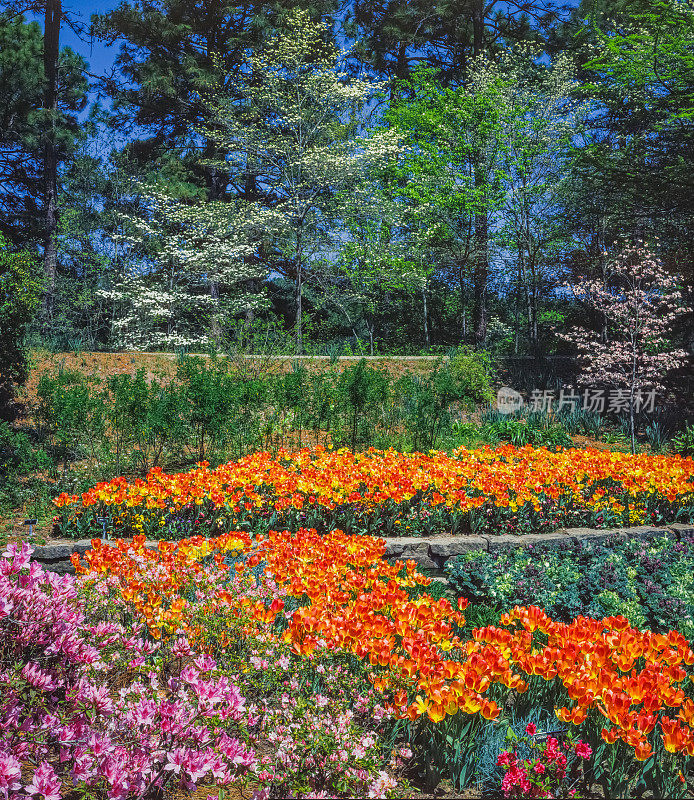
650,582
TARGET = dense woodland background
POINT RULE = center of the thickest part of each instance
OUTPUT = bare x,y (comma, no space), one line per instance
365,177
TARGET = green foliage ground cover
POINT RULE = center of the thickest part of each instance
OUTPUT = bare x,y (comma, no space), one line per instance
650,582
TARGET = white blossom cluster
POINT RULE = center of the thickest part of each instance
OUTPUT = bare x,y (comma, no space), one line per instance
199,261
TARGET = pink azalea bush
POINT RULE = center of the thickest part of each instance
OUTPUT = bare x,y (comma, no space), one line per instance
92,706
326,726
67,724
316,722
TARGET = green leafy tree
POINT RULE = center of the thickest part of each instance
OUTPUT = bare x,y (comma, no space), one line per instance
632,173
20,293
398,37
87,258
373,263
542,116
450,173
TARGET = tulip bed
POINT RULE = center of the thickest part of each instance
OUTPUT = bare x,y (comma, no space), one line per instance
387,493
141,678
300,663
271,661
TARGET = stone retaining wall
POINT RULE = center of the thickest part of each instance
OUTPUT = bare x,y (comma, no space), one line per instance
427,553
434,552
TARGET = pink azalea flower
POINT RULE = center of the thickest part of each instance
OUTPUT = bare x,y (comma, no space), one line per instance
10,773
34,675
583,750
82,768
205,663
181,648
45,782
176,760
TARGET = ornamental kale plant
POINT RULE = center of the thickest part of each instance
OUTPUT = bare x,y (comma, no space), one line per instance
651,583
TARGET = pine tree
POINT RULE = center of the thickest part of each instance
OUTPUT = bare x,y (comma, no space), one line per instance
38,133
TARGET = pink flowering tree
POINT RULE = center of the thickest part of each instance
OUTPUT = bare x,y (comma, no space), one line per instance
638,302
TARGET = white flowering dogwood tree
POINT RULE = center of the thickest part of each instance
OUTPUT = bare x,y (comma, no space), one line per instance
637,301
287,130
288,122
198,264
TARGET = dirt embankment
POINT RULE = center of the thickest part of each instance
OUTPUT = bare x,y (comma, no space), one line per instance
162,366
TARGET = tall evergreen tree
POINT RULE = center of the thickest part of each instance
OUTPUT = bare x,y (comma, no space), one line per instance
26,125
169,48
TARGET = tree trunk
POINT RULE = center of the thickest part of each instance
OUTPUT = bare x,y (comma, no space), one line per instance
426,317
533,309
599,248
299,292
216,327
481,277
481,232
51,46
299,332
632,392
463,310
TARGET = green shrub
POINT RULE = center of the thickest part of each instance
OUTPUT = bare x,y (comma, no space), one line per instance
72,413
146,419
363,390
20,291
472,375
683,443
419,410
520,433
208,392
17,456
